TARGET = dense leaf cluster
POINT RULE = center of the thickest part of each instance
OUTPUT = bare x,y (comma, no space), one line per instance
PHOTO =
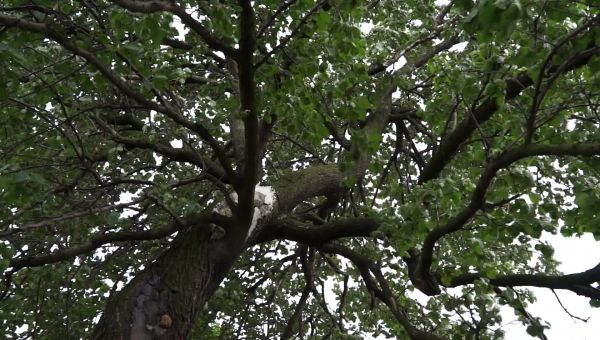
418,152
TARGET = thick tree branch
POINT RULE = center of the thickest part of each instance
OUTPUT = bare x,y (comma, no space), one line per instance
579,283
290,229
318,180
178,44
329,180
248,108
324,180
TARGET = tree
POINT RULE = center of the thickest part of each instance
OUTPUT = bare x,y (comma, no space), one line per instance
196,169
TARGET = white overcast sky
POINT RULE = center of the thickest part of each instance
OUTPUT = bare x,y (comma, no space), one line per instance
576,254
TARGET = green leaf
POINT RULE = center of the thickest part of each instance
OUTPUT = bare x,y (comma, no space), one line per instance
464,4
594,64
535,330
323,19
161,81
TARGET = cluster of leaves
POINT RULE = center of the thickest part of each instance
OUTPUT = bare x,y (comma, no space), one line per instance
85,155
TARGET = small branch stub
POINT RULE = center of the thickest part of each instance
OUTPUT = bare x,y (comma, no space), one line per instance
165,321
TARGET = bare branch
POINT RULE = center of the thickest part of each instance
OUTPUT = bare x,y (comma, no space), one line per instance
280,9
579,283
69,216
308,263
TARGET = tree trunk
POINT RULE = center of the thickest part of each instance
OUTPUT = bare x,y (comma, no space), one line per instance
163,300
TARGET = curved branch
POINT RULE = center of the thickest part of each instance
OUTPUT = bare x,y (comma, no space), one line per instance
308,263
444,45
285,40
379,287
94,242
540,93
514,86
324,180
176,154
280,9
478,196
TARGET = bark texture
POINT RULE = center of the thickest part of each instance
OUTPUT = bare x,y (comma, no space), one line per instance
162,302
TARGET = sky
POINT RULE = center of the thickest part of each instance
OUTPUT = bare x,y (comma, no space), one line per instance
576,254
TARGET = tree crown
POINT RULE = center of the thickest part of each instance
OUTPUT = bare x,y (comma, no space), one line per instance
412,145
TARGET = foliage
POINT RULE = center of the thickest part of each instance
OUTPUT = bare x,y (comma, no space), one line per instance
413,146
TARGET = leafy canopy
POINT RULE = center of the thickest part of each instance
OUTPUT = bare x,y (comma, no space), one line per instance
413,147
